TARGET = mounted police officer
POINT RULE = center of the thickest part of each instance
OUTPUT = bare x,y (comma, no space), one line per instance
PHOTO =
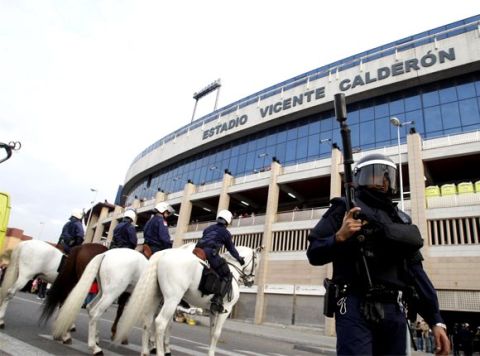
124,234
72,232
156,232
213,239
376,266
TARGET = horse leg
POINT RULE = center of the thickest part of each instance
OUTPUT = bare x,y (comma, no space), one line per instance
19,284
216,323
122,301
94,314
161,324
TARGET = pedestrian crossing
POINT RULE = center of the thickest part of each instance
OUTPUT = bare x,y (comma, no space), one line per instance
192,348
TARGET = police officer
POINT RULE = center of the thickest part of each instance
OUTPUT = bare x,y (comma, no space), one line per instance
213,239
376,265
72,232
124,234
156,232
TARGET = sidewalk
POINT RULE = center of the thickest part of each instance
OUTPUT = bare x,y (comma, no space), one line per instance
304,338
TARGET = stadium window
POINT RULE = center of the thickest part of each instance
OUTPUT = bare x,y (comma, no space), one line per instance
447,95
450,115
433,119
430,99
469,112
413,103
466,91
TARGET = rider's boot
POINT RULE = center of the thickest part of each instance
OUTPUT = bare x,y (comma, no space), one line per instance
217,305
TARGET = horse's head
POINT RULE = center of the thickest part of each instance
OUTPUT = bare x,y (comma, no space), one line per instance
252,259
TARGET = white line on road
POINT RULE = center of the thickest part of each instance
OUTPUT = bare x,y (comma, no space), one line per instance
13,346
81,346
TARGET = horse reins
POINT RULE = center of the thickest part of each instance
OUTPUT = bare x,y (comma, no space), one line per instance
243,276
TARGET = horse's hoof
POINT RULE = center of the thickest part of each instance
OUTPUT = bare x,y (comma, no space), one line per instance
2,326
98,353
168,354
125,342
67,342
154,351
73,329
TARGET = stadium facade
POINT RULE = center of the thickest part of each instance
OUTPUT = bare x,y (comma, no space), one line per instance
273,158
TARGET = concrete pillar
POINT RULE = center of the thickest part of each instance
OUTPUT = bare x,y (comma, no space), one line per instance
100,227
336,183
184,214
336,186
224,199
416,175
113,224
159,197
270,215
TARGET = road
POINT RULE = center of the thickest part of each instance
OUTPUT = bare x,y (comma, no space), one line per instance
24,336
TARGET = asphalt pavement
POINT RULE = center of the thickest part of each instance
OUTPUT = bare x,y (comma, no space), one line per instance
308,339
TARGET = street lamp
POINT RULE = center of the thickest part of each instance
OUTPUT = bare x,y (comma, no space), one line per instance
93,190
396,122
42,226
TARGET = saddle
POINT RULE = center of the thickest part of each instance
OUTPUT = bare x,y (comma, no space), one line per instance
147,251
200,253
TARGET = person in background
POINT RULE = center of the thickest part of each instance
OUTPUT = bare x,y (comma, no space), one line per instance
72,232
91,294
124,234
155,231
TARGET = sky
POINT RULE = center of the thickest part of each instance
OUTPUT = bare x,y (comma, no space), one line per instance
85,86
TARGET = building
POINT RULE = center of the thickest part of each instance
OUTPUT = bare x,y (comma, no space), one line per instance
272,158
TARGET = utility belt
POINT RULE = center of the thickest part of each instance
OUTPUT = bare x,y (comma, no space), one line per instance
379,294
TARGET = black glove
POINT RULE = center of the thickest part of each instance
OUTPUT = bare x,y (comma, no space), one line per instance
242,261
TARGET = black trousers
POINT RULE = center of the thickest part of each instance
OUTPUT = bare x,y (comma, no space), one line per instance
356,336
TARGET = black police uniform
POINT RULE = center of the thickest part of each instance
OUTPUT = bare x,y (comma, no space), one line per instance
72,234
156,234
213,239
124,235
394,267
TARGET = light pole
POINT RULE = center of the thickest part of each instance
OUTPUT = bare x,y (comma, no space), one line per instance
396,122
91,204
42,226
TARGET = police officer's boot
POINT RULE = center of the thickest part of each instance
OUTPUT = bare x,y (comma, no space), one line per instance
217,305
217,300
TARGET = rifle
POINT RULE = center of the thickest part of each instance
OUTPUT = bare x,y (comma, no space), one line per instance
341,115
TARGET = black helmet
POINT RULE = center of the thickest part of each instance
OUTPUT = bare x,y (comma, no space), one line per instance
376,171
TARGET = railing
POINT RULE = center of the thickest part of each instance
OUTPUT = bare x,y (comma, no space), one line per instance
292,240
458,139
301,215
454,231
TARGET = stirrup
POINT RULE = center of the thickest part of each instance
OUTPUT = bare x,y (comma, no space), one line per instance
217,308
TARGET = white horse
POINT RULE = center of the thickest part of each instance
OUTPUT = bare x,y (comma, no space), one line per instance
175,274
116,271
30,259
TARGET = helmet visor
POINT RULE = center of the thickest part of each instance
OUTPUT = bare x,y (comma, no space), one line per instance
378,176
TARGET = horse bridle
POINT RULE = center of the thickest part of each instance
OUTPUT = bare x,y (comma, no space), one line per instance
246,278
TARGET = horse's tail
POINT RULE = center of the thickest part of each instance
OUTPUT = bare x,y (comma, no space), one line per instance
11,274
143,300
61,287
72,305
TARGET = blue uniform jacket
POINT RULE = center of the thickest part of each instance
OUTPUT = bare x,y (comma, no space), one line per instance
124,235
156,234
215,237
72,234
324,249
